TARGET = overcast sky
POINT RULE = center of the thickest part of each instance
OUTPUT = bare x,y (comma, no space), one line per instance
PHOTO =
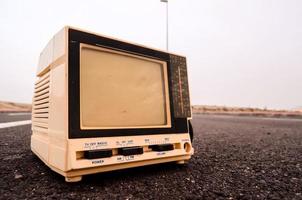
239,52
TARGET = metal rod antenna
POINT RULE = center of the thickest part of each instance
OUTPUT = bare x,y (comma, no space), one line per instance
167,24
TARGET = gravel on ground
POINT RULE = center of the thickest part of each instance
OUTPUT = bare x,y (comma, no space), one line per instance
235,158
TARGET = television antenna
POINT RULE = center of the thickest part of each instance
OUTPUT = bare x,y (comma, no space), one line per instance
167,24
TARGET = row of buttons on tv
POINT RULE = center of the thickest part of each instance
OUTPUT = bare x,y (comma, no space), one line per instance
126,151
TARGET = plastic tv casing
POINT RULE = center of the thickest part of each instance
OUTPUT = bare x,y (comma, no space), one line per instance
102,104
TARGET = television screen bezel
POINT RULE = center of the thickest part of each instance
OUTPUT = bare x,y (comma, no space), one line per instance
75,38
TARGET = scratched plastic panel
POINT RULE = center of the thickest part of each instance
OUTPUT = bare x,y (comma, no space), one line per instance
180,91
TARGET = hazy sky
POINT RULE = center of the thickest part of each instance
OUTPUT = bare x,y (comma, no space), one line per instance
239,52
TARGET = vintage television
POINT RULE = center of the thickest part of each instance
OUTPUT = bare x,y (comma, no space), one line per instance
103,104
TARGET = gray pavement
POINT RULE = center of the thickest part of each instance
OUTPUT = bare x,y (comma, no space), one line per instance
235,158
12,117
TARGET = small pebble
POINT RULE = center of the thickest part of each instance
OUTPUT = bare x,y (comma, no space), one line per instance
262,181
17,176
294,179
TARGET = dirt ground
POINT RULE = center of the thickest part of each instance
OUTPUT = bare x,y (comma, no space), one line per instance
14,107
235,158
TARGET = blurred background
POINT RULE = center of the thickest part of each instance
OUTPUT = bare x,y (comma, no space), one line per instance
239,53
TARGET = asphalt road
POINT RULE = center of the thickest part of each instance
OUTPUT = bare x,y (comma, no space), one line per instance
12,117
235,158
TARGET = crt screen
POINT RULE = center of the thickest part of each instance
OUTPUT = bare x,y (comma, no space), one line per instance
121,90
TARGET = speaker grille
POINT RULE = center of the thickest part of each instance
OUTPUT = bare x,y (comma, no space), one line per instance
180,91
40,109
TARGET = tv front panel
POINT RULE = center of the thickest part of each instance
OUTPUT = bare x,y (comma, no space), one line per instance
102,104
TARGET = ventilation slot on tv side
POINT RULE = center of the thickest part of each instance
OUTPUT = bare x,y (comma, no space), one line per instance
40,111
